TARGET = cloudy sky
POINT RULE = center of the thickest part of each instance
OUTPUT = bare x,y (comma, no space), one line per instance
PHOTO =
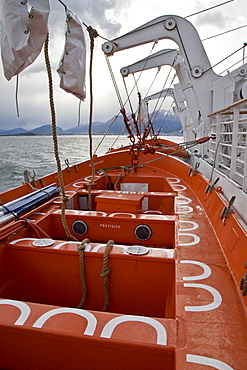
112,18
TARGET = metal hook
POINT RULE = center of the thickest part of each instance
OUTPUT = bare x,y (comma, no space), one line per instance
211,187
196,168
61,2
243,282
33,181
67,164
227,210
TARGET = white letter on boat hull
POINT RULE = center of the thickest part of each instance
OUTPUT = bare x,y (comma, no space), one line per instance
92,322
111,325
207,361
208,307
25,310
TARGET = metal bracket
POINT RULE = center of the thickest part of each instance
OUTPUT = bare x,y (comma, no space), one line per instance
210,187
243,284
33,181
67,164
27,176
195,169
227,210
190,171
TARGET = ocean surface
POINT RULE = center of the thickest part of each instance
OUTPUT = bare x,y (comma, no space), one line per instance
36,153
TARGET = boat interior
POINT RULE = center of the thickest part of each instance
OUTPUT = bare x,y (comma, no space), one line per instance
140,211
135,259
146,214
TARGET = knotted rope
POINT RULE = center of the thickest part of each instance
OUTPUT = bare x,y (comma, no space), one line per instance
92,34
81,247
54,136
105,272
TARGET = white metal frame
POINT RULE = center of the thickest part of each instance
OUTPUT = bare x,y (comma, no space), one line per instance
228,152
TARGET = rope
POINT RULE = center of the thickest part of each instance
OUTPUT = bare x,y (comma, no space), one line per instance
135,81
121,132
158,71
114,83
120,177
222,60
106,132
63,4
187,146
164,97
105,272
182,146
215,155
17,218
122,105
79,113
16,96
227,69
98,35
55,141
164,119
81,247
143,69
128,95
38,230
212,7
156,104
92,34
223,33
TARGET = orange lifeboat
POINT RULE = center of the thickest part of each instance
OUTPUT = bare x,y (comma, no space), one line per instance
163,280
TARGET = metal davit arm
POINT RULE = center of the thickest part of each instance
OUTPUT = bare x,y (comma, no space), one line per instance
190,65
175,28
162,57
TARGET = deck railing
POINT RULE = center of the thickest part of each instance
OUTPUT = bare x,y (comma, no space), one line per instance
228,152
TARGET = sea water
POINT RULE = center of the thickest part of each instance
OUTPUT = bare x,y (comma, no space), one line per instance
36,154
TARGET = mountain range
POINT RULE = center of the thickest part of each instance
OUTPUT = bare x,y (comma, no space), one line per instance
166,122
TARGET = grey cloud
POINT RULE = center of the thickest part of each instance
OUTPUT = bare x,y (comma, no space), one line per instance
35,68
102,14
216,18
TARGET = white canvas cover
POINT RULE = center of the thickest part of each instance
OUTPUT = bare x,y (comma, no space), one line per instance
142,113
72,67
22,33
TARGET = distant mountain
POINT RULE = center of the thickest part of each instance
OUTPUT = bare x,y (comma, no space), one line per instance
168,124
165,122
83,129
78,130
14,131
47,130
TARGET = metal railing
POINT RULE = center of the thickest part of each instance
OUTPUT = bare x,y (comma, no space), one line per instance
228,152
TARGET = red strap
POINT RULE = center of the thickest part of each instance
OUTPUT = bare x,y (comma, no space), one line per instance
205,139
